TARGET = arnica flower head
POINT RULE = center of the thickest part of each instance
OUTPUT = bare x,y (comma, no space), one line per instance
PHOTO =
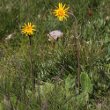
28,29
61,12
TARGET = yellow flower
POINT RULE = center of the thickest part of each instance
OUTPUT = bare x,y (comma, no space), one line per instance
28,29
61,12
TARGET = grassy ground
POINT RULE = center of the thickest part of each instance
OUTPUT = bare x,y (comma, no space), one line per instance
55,63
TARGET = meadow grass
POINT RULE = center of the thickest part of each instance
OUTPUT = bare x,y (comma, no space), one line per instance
55,64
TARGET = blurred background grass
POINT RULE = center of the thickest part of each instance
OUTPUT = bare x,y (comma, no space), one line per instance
54,66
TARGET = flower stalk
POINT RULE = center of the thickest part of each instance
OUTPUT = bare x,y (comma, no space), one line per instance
77,46
29,29
32,75
62,13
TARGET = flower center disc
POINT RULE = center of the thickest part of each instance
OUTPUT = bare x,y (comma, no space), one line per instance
61,13
29,29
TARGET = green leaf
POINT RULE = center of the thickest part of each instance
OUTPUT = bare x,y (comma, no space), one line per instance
69,84
86,83
82,99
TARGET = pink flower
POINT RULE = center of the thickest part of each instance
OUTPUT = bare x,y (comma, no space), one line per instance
54,35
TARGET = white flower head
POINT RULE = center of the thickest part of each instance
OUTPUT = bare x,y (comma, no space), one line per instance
9,36
54,35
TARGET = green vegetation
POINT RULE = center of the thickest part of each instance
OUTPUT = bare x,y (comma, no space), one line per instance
84,48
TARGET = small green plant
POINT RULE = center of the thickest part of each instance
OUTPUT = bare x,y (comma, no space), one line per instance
86,84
